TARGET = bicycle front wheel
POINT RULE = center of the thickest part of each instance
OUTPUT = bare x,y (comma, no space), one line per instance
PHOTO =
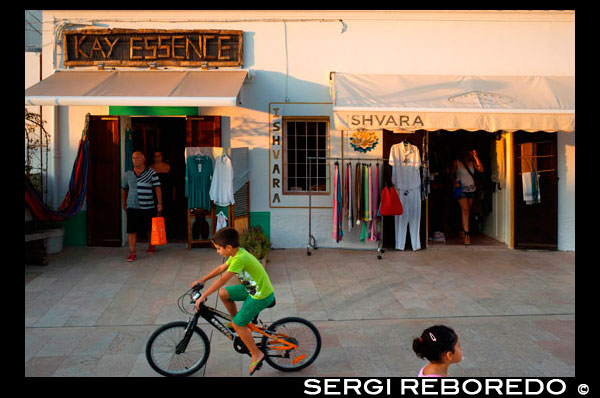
163,344
296,344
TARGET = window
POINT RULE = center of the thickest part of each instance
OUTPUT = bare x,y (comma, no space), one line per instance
305,140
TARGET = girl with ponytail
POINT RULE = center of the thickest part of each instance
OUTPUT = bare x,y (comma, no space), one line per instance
440,346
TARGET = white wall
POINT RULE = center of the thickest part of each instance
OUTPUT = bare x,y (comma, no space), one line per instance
292,53
566,191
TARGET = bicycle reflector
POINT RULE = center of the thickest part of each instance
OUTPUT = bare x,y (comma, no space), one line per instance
298,359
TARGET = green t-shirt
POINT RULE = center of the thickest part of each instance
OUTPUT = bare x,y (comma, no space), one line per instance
251,273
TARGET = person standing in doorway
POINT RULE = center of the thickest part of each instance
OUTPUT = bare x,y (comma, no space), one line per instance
163,170
462,174
138,188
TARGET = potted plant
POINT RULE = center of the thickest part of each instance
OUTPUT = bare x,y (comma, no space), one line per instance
257,243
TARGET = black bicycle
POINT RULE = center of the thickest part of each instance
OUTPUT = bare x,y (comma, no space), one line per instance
182,348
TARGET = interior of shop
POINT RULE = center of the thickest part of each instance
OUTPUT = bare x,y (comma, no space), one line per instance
167,135
445,224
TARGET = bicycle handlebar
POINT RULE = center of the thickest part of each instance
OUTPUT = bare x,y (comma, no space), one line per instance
196,289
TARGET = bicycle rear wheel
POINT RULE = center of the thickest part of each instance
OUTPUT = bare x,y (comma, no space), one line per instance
162,346
297,331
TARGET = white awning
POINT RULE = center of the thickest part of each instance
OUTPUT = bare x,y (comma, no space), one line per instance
490,103
138,88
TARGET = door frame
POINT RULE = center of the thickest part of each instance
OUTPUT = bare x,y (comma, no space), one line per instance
89,210
516,179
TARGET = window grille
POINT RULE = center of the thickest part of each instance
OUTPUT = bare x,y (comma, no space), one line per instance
305,138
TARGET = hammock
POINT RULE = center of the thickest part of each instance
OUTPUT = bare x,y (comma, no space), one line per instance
74,198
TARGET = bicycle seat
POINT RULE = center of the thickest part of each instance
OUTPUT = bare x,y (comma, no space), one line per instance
255,320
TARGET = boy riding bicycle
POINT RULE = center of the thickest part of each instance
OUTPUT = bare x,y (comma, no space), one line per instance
255,289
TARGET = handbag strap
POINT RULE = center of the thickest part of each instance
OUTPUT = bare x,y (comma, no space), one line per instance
466,168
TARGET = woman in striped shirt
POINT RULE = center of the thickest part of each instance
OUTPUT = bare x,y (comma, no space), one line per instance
138,201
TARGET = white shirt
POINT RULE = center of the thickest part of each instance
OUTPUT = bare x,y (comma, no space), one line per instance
406,162
221,188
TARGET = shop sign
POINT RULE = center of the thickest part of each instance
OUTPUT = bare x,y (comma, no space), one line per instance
131,47
363,140
276,188
345,120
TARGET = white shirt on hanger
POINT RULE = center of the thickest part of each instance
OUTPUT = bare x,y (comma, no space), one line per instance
221,188
406,177
406,162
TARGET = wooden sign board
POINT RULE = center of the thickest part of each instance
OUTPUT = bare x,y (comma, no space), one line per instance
134,47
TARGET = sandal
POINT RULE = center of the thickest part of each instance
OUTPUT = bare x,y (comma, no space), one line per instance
254,366
467,238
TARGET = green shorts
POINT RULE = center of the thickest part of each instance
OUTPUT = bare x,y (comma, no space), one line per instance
251,307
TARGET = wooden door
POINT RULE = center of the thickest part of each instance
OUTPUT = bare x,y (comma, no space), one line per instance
389,230
536,225
203,131
104,192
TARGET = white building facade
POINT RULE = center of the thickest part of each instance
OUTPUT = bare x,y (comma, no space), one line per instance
290,57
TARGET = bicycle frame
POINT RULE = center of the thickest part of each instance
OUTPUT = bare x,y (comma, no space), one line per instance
277,341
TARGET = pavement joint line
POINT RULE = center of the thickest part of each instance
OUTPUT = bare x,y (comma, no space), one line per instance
327,320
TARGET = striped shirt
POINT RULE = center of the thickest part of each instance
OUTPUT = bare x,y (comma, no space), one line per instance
141,188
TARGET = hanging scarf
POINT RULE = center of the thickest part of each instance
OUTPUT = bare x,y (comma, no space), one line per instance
359,200
376,233
365,214
334,221
349,196
337,205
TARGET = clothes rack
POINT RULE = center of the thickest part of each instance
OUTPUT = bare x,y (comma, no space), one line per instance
540,171
312,244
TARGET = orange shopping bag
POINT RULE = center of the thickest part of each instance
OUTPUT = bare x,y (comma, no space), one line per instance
159,234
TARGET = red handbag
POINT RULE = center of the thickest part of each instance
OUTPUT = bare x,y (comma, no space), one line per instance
390,202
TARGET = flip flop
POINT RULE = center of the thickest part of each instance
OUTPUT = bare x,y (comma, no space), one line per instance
257,365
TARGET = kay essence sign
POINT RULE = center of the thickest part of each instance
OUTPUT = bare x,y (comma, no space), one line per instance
129,47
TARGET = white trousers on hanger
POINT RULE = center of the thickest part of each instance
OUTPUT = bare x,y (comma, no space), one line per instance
411,216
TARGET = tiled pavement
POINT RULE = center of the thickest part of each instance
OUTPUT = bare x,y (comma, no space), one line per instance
89,313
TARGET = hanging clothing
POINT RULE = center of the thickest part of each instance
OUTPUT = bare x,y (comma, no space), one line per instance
350,202
221,221
370,177
221,187
425,172
337,232
406,177
365,171
358,194
198,177
377,202
498,163
375,198
531,187
128,149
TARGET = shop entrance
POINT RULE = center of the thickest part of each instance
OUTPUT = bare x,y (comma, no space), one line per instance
444,213
167,135
170,136
441,221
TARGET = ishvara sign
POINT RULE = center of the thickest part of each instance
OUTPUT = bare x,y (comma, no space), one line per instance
131,47
348,120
